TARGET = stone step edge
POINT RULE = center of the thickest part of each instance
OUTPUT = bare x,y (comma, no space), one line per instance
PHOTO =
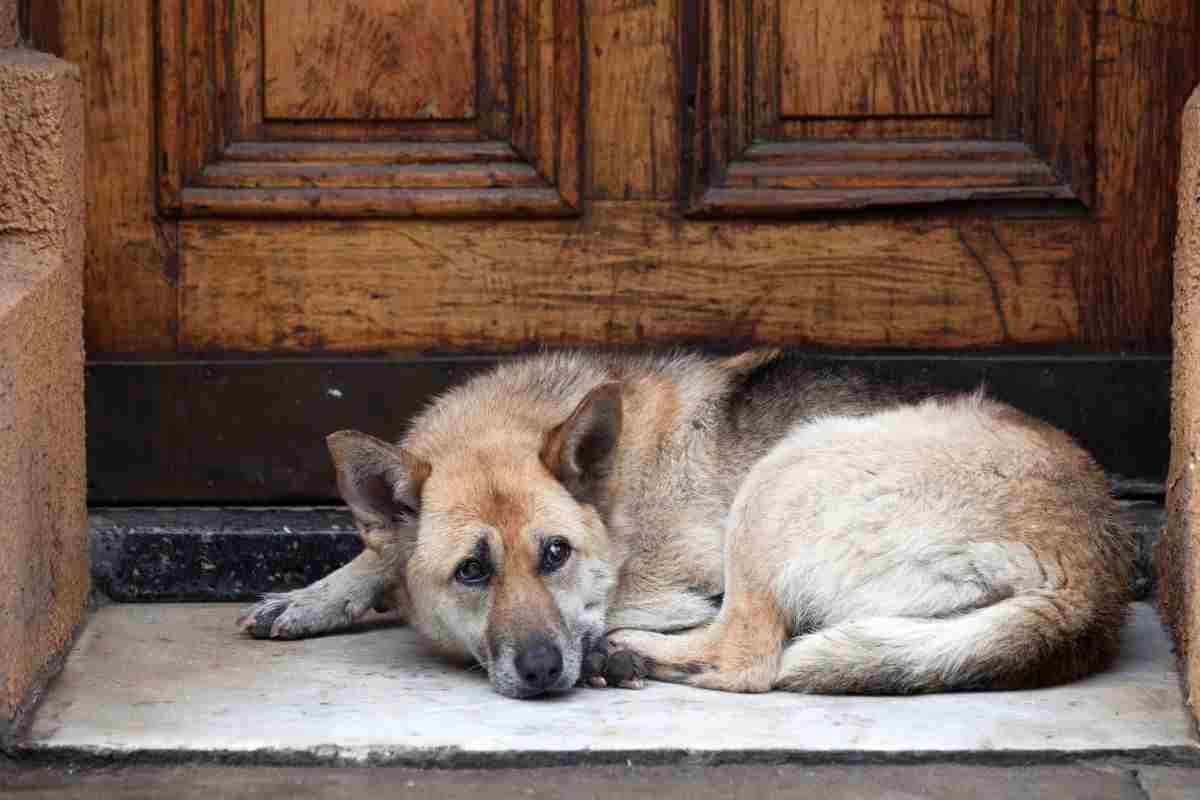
215,554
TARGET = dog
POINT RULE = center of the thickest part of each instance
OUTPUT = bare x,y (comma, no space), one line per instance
748,523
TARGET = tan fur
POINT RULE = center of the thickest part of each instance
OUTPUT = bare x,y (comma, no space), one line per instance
863,539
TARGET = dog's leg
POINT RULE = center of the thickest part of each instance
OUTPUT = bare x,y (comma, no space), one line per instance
334,602
738,651
662,611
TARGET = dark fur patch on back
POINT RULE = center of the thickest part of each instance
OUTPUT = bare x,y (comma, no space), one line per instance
765,401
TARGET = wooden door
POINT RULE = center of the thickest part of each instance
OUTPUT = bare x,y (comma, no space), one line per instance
288,179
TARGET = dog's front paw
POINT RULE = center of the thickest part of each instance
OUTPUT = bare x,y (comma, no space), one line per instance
259,618
300,614
606,665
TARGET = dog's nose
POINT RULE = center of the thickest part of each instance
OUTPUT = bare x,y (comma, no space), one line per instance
539,664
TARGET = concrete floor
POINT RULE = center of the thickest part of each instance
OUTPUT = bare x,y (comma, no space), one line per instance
177,682
1087,781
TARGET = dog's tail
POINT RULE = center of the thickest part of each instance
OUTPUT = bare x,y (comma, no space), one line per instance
1027,640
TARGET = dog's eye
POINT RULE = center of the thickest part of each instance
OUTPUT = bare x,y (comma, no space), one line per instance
473,571
555,554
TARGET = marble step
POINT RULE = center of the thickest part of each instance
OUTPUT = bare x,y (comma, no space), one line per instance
178,683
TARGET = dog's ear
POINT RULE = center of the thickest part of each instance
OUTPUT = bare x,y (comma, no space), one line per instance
580,451
380,482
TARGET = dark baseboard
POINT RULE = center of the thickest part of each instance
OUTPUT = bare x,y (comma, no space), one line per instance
251,431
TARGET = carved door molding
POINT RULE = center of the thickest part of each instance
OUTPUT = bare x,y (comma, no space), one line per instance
458,109
825,104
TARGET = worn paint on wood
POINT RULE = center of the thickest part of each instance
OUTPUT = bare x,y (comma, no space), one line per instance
626,274
369,59
886,58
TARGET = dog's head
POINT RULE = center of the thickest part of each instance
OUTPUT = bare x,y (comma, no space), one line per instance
505,558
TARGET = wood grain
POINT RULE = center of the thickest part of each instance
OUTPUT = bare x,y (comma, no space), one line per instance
887,128
370,152
130,254
244,74
341,202
967,151
1144,74
633,93
237,66
1179,15
764,40
325,130
192,129
774,200
221,156
627,273
566,105
257,175
172,114
886,58
885,174
369,59
861,174
495,60
203,135
1044,48
1058,107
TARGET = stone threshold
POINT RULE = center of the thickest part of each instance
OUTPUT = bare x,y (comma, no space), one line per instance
176,683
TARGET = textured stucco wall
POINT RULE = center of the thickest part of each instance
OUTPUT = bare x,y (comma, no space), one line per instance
8,23
42,151
1179,549
44,575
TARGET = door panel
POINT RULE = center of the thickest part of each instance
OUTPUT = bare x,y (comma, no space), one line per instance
368,59
1024,151
895,58
378,108
827,105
